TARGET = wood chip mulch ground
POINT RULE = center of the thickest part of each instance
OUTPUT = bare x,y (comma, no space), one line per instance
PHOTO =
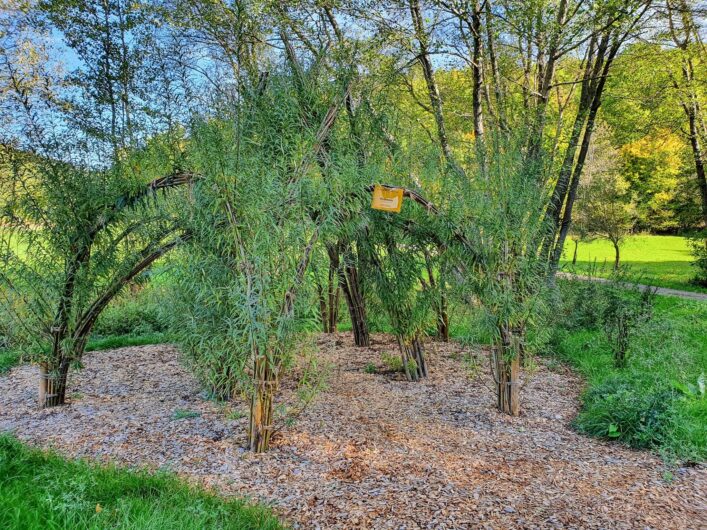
372,450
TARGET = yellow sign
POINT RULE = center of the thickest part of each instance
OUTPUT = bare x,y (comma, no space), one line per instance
387,199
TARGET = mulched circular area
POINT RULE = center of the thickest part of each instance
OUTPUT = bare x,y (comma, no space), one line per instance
372,450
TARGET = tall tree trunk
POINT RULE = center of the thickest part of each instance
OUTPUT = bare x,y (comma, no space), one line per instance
605,57
477,72
697,155
261,405
430,80
495,74
546,62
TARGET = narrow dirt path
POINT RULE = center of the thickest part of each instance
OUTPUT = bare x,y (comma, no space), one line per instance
665,291
372,451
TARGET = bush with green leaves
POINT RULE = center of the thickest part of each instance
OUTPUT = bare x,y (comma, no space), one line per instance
698,245
615,409
657,398
626,308
581,302
73,235
499,220
262,204
134,313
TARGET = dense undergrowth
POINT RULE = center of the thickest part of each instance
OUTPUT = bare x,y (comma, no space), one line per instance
657,400
44,491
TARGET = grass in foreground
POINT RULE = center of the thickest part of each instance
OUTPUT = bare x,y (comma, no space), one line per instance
664,261
43,491
658,400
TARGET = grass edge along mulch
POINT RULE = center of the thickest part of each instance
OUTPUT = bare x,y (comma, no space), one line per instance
42,490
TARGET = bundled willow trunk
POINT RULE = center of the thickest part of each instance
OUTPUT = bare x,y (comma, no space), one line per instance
440,304
52,384
506,366
442,318
261,405
413,356
350,284
329,299
357,306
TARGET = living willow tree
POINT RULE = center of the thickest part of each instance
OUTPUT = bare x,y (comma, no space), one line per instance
496,222
71,239
256,215
77,222
397,261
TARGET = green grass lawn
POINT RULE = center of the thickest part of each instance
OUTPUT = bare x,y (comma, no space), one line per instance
664,261
658,400
44,492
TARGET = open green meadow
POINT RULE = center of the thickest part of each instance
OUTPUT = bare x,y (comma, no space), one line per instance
663,261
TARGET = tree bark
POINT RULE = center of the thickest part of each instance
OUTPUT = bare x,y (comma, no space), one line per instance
440,304
443,318
353,293
412,352
574,255
616,255
52,384
495,74
430,80
261,405
477,72
357,306
333,297
507,371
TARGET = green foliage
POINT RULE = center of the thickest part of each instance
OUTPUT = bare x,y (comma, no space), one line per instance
393,362
255,216
8,359
654,400
618,409
501,215
183,414
624,311
698,245
40,490
370,368
134,314
68,241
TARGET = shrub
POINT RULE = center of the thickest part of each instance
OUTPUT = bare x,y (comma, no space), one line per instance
132,314
698,244
624,312
393,362
634,412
